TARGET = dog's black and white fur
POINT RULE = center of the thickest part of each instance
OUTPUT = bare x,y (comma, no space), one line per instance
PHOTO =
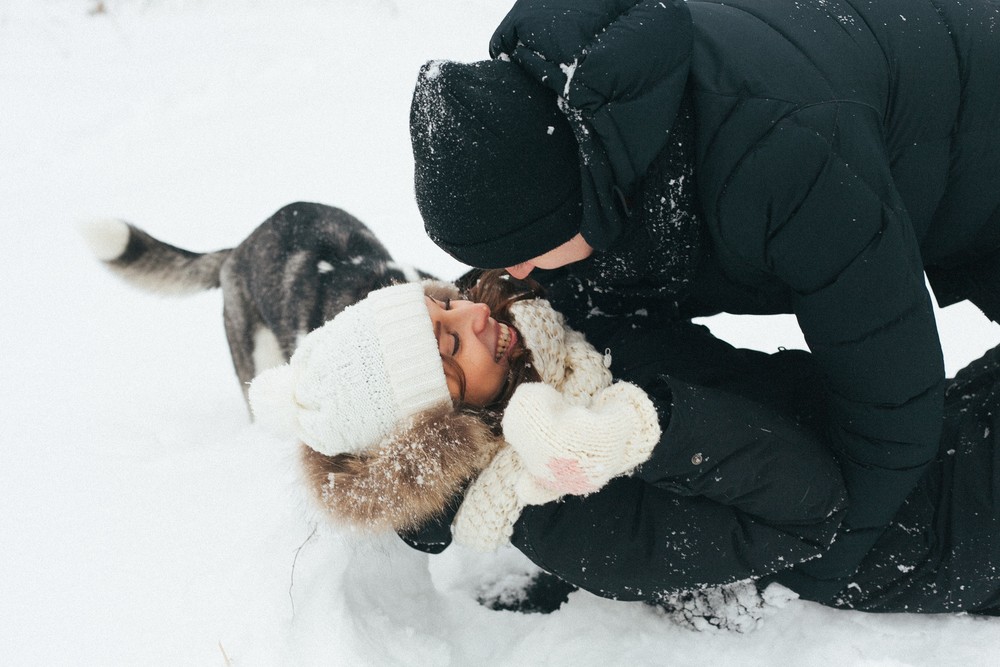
298,269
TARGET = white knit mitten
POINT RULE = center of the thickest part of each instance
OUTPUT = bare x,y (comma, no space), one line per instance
576,449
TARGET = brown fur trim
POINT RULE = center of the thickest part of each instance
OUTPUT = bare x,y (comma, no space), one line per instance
409,478
440,290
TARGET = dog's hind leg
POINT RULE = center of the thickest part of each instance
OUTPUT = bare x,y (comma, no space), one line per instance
252,344
239,333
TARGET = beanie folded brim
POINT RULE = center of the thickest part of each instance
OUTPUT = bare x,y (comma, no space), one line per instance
546,232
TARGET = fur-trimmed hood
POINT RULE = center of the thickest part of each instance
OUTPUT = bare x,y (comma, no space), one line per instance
409,478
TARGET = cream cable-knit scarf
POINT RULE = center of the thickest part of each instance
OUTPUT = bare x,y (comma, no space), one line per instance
562,356
563,359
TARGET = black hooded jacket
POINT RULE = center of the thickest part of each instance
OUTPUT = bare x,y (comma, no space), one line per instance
838,148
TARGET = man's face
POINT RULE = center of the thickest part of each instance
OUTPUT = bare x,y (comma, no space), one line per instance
572,251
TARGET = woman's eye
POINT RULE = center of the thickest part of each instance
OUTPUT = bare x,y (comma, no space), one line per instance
455,351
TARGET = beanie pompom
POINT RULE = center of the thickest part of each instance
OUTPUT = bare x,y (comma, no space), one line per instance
272,399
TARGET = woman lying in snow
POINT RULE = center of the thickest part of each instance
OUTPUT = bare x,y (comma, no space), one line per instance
444,418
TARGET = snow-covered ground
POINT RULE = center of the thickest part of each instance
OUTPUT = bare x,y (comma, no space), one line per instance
143,520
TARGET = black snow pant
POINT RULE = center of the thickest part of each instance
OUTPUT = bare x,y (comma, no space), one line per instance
942,551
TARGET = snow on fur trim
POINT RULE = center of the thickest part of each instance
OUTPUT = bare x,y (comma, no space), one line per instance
407,479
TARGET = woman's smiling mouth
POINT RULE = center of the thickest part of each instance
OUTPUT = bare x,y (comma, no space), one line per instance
504,338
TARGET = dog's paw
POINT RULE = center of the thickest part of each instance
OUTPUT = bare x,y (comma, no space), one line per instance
107,238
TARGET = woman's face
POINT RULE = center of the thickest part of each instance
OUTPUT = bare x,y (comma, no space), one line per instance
479,344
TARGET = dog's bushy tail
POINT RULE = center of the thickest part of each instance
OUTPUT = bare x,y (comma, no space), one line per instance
151,264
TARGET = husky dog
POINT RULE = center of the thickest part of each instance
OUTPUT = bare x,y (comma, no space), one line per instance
298,269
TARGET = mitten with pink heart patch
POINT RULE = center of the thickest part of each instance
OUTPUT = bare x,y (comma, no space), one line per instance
572,449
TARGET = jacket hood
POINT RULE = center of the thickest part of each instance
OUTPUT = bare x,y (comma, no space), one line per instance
620,87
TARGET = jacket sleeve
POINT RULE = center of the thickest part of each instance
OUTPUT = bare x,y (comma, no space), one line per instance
637,541
813,204
735,489
434,536
745,455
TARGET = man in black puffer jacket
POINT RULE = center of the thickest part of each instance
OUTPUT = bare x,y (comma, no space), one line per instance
671,159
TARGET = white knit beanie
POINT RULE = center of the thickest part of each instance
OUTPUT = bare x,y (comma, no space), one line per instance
352,381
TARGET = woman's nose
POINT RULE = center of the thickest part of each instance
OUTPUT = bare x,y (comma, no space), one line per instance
475,315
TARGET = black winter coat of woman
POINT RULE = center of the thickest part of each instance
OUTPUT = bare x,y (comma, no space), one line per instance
830,151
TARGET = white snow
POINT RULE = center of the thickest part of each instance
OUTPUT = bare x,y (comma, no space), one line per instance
144,521
569,69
